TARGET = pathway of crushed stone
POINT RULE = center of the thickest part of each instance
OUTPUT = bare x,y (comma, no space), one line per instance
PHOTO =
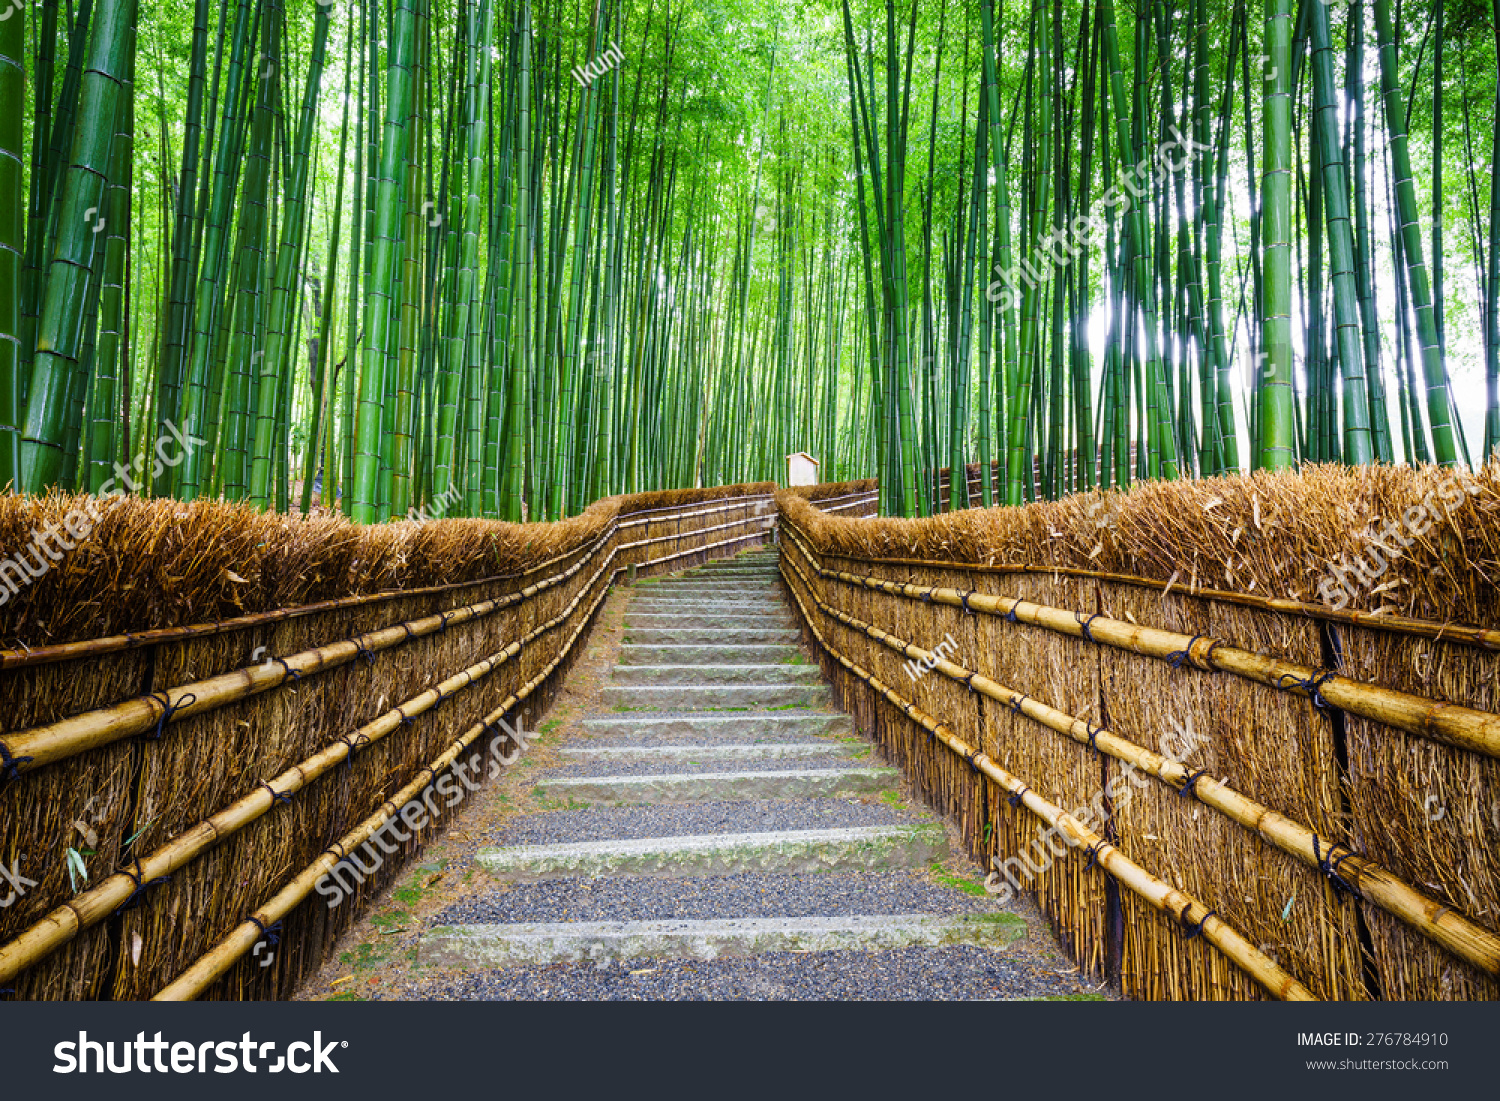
696,821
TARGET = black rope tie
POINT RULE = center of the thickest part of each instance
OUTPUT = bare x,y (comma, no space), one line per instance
1190,785
1094,851
169,710
1010,616
927,597
337,849
271,934
1330,866
969,682
141,883
972,759
10,767
1177,657
358,741
1085,624
1015,800
406,720
1312,686
290,674
1196,929
1015,704
443,629
965,598
276,796
407,628
442,698
1094,732
361,650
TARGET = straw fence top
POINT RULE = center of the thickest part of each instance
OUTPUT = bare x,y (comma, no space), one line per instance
1428,539
153,564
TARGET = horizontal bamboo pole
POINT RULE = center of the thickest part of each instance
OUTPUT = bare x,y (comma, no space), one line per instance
1484,637
734,503
97,903
1451,724
1435,920
42,745
192,982
1177,904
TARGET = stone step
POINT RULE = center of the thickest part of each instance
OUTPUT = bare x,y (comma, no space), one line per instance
708,655
712,636
856,849
710,676
706,590
738,621
688,697
773,724
749,751
723,577
594,941
700,787
700,607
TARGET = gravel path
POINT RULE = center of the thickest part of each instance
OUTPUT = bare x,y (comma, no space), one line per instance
630,823
907,974
720,896
606,767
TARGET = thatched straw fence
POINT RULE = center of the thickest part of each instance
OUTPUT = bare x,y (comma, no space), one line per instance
211,707
1334,829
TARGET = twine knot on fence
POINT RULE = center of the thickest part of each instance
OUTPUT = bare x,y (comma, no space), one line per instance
1093,852
1177,657
1085,624
358,741
1015,800
276,796
289,672
1310,685
271,934
1195,929
141,883
1330,866
169,711
1190,784
10,767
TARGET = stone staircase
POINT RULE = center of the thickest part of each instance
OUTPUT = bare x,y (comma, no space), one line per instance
717,809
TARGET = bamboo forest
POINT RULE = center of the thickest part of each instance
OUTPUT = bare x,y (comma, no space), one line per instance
503,258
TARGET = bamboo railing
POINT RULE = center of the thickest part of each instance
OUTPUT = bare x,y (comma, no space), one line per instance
169,900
